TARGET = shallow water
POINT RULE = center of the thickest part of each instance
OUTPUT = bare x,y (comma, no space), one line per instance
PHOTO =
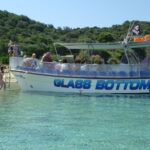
45,121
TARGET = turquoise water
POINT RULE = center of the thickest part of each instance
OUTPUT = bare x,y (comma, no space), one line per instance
50,121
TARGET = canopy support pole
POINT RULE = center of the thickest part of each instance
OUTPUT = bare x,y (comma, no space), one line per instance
56,51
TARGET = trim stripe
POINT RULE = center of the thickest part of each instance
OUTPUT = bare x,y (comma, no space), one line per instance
84,77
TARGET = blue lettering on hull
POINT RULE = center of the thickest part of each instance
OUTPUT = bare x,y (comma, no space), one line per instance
104,84
78,84
125,84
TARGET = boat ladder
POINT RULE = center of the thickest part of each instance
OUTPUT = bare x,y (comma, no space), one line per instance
7,77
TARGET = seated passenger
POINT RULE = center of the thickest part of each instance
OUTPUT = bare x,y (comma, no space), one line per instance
47,61
46,57
76,66
136,30
30,62
64,65
34,60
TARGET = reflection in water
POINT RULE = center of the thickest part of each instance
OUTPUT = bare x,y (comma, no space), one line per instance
6,94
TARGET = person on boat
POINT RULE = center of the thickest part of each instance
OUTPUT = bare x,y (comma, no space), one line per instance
16,50
77,64
13,49
26,61
136,30
95,60
30,62
2,83
58,65
47,61
34,62
10,48
63,65
47,57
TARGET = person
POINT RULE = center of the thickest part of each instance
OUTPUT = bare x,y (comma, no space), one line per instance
16,50
46,61
136,30
25,61
34,61
30,62
10,48
2,83
13,49
46,57
77,64
64,65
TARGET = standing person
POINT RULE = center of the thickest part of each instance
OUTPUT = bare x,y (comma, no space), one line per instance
16,50
2,83
13,49
10,48
136,30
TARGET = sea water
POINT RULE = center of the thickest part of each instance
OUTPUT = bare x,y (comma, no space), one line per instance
52,121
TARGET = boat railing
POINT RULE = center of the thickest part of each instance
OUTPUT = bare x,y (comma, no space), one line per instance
84,70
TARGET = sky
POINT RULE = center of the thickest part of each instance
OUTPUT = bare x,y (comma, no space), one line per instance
80,13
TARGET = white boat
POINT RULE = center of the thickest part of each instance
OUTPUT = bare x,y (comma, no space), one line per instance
133,77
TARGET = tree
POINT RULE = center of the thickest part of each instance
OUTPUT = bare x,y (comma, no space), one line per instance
35,36
105,37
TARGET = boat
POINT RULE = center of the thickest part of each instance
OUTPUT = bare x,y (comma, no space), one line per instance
132,76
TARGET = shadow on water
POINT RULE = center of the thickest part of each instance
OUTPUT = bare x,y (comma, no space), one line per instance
56,94
15,94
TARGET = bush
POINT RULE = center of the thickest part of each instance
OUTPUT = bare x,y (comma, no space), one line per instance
4,59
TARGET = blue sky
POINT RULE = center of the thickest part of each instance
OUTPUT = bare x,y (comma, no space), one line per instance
80,13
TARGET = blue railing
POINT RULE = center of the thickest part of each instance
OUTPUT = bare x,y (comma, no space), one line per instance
86,70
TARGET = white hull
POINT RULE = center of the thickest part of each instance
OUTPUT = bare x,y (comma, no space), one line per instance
51,83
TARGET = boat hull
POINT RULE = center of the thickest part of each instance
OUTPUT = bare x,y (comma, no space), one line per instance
30,81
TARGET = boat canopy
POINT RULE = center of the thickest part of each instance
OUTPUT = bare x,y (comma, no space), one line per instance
97,46
94,46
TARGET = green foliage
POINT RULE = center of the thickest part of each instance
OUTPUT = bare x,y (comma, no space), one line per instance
105,55
4,59
96,59
113,61
84,56
37,37
105,37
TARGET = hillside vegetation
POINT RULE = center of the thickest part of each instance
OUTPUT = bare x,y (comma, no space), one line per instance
34,36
